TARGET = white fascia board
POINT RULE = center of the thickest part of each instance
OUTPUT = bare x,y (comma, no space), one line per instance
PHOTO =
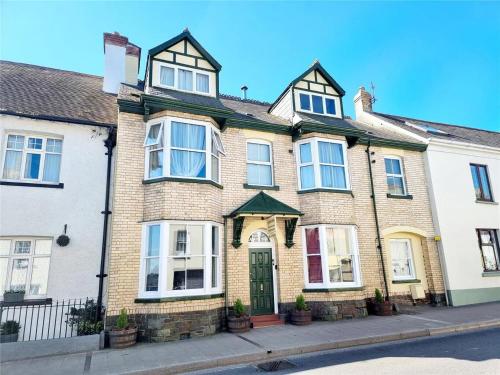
465,146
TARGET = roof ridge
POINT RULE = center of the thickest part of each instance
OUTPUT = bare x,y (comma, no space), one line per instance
434,122
49,68
252,101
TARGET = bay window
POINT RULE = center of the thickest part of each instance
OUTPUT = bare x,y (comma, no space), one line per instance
180,259
402,259
182,148
331,257
32,158
24,265
322,163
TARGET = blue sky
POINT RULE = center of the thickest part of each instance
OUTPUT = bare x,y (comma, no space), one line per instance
436,61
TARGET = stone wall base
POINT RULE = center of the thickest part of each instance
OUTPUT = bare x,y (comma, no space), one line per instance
435,299
330,310
161,327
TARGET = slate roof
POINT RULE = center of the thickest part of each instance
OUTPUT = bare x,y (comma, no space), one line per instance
453,132
249,110
267,205
53,94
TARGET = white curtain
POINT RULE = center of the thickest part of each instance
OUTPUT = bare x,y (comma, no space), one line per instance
330,153
183,162
52,167
331,176
167,76
201,82
185,80
307,177
12,166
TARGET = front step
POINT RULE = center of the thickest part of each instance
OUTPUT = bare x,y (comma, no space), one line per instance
259,321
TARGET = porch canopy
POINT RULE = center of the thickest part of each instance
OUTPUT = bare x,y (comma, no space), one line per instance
263,204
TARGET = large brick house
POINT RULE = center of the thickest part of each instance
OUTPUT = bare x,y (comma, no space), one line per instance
218,198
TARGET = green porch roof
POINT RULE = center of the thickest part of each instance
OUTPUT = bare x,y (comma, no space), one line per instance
265,204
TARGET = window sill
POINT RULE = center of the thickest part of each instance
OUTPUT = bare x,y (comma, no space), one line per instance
411,281
323,190
487,202
395,196
180,179
180,298
325,290
491,274
259,187
28,302
32,184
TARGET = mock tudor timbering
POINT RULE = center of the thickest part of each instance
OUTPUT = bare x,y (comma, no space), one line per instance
207,184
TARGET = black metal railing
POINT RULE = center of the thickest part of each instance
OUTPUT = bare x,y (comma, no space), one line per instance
48,319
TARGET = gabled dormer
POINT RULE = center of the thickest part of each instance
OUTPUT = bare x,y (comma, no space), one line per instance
182,64
313,92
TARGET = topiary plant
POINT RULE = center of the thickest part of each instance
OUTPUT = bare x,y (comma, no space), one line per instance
122,321
239,308
379,298
300,303
9,327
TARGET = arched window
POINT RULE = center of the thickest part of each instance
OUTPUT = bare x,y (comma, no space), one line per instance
259,236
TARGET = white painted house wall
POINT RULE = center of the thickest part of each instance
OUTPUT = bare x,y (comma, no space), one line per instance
43,212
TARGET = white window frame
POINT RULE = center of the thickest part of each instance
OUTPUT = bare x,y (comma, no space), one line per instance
412,275
316,163
42,152
269,163
402,175
323,96
164,259
358,282
31,256
166,122
193,71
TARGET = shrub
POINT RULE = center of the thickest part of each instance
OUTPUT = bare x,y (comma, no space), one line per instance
9,327
379,298
239,308
122,321
300,303
85,319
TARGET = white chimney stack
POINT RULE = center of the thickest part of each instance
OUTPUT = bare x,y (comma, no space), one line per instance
121,62
362,102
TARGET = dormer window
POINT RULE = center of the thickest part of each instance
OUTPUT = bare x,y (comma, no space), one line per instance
167,76
184,79
317,103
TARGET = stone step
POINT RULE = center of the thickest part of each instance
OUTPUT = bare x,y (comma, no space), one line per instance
265,320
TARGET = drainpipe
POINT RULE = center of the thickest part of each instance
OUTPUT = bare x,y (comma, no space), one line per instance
379,241
226,308
109,143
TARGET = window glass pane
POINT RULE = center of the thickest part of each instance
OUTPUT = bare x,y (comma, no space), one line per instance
154,132
490,262
185,80
43,247
51,167
215,240
258,152
401,259
395,185
217,142
305,153
22,247
305,102
156,163
202,82
194,272
39,276
152,274
333,177
330,106
259,174
35,143
176,274
54,145
4,263
312,241
317,104
188,136
483,175
5,247
330,153
475,180
32,166
388,166
187,164
314,269
195,238
307,177
215,169
178,240
215,271
340,263
166,76
153,240
19,274
12,165
16,142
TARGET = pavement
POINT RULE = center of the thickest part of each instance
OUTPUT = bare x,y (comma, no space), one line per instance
263,344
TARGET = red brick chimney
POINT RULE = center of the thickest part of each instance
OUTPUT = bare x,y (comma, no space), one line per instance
362,101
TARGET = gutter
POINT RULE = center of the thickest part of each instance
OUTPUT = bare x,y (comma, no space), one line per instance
379,241
109,143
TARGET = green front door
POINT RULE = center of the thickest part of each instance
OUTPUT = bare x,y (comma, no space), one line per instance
261,281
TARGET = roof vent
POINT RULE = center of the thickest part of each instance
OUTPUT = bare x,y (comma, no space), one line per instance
250,114
244,89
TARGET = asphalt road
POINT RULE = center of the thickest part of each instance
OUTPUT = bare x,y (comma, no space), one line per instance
472,353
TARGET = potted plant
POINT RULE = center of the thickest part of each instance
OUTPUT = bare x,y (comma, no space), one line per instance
238,322
379,306
301,315
13,295
9,331
124,334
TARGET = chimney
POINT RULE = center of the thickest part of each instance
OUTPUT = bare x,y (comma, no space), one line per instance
121,62
244,89
362,102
